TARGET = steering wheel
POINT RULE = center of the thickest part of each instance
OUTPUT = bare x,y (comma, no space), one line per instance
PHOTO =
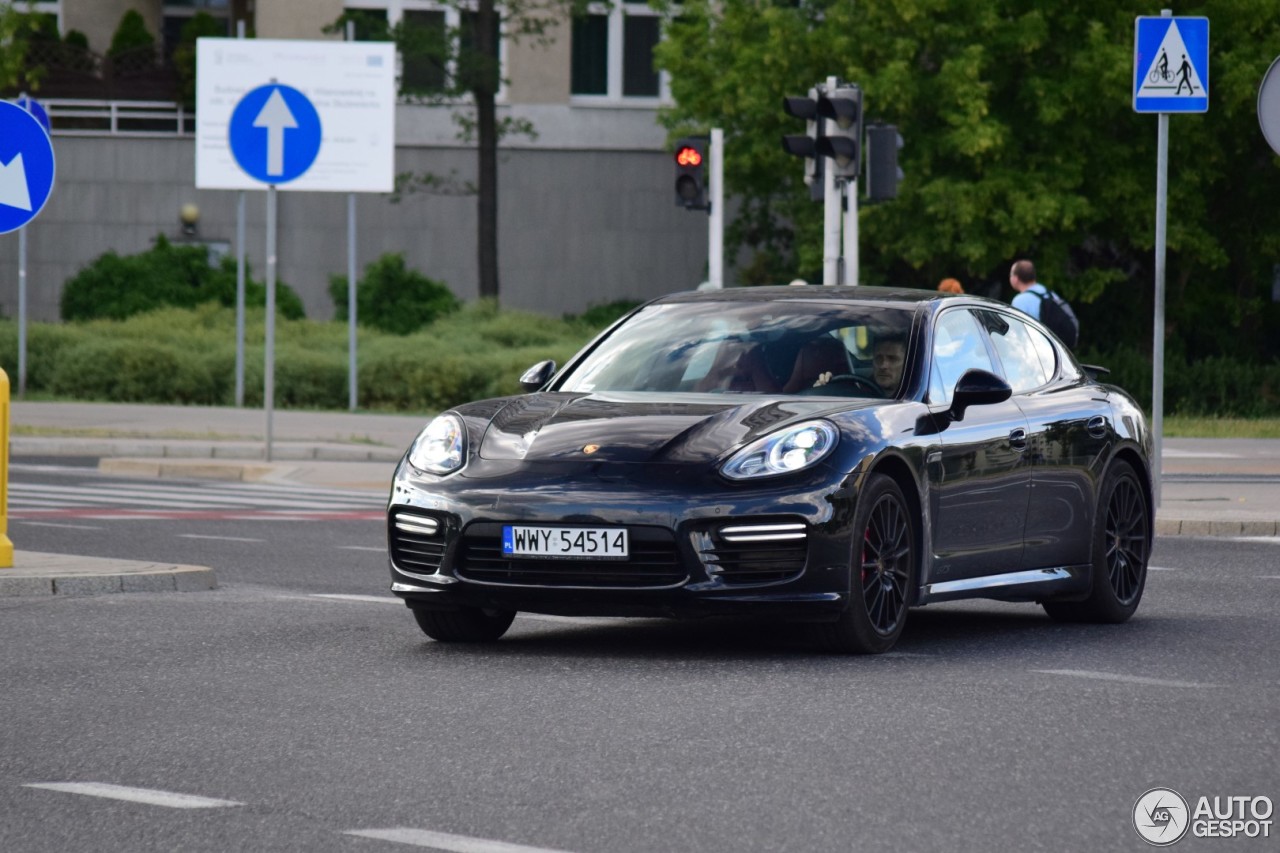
866,387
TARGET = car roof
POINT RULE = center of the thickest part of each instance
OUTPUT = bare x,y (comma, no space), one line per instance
903,297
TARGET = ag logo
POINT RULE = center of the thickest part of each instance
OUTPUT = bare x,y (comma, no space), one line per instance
1161,816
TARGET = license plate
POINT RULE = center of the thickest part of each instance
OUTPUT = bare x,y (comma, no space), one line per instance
565,543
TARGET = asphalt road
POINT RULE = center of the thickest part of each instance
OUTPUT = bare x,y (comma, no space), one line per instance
304,698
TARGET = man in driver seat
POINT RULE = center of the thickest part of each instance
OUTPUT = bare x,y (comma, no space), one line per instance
889,356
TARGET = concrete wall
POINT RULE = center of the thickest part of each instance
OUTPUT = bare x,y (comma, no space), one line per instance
295,19
539,72
576,227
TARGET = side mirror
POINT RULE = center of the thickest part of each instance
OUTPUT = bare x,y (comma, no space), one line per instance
977,388
535,377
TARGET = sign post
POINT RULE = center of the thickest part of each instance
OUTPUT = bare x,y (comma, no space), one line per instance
1170,75
275,136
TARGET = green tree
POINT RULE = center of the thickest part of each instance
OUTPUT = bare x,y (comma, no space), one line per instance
17,30
184,55
131,34
1020,141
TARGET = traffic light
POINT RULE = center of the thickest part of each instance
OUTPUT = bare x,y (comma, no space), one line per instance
804,146
691,182
841,136
883,174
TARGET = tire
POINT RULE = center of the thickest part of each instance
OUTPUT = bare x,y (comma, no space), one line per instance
1121,549
884,566
464,625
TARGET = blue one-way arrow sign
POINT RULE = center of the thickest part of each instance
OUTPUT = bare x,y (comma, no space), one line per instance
275,133
26,167
1170,65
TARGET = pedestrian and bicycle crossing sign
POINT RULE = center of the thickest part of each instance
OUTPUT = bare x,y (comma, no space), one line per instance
1171,65
26,167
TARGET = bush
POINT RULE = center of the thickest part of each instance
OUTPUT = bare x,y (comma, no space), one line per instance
392,298
131,34
116,287
602,316
122,371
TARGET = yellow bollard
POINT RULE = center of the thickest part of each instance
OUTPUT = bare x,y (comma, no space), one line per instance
6,546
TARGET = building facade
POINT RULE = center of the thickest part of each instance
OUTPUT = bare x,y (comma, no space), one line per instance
586,208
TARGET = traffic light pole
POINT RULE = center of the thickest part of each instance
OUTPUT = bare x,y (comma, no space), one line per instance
850,276
831,216
715,221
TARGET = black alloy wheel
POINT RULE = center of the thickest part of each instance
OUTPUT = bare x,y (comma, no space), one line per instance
1121,549
1126,535
885,564
883,570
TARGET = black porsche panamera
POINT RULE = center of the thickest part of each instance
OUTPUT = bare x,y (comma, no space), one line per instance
828,454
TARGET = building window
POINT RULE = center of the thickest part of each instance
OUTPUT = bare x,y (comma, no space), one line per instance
427,63
613,53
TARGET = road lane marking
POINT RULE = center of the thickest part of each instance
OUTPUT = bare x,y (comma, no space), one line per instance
1161,569
1128,679
219,538
1269,540
445,841
66,526
134,795
380,549
376,599
180,498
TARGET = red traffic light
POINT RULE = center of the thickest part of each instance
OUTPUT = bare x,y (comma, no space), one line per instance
689,156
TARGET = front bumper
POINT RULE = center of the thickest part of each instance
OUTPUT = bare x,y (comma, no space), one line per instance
699,546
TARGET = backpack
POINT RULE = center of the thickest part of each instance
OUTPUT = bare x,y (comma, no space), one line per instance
1057,316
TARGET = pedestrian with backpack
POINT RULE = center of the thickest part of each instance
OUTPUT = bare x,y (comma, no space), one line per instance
1038,301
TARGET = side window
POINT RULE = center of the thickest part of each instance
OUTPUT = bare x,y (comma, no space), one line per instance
957,347
1044,349
1017,351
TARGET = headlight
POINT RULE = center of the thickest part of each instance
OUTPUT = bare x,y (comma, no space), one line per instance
441,448
782,452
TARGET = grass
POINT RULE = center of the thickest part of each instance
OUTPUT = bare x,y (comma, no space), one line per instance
1184,426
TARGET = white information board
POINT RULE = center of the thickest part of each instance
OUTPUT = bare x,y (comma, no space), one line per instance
351,84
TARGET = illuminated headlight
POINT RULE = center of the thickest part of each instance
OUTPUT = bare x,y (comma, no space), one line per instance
441,448
782,452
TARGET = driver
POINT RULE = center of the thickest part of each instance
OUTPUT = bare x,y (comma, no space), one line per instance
889,356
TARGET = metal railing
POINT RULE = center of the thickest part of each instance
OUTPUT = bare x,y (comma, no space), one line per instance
76,117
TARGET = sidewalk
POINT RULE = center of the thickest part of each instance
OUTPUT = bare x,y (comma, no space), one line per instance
1211,487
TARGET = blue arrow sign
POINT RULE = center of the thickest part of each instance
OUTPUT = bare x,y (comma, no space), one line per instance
1170,65
275,133
37,109
26,167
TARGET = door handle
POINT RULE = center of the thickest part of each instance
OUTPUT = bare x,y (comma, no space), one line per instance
1097,426
1018,439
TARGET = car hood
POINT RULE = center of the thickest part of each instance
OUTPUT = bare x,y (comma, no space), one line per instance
641,427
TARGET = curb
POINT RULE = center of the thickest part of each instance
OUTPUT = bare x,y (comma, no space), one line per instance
1223,527
190,470
37,574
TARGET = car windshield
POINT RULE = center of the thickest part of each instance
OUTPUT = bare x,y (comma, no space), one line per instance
783,347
